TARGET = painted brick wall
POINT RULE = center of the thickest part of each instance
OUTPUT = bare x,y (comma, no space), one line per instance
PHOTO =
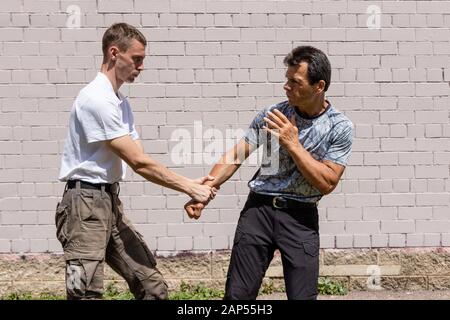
215,63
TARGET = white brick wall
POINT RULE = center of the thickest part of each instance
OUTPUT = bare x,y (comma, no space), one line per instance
218,62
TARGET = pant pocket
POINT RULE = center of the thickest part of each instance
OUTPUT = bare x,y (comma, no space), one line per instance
84,279
61,220
311,248
94,220
301,254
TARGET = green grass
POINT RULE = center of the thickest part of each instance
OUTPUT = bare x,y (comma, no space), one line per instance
195,292
113,293
330,287
198,291
30,296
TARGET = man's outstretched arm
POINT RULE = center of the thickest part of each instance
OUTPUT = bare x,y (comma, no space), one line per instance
223,170
141,163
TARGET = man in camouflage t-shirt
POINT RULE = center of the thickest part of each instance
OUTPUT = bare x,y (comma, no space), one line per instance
306,162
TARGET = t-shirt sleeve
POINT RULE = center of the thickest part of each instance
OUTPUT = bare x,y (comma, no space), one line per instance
255,134
340,144
133,132
101,121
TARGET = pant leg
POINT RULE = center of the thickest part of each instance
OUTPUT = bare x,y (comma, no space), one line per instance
83,222
84,279
298,240
128,255
251,254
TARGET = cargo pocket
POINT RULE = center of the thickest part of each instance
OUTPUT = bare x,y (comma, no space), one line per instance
93,215
89,224
311,248
61,218
91,212
301,254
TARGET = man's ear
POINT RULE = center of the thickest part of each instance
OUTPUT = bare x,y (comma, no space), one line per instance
113,51
320,86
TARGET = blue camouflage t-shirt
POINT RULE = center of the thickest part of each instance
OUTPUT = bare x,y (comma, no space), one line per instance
327,136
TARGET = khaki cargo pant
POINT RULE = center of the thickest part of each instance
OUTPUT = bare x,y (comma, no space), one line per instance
93,230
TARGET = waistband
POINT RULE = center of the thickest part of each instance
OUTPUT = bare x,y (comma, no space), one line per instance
108,187
280,202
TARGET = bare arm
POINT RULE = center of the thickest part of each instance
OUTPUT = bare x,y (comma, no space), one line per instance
229,163
139,144
222,171
323,175
132,153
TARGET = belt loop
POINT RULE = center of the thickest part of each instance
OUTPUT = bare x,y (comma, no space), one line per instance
115,188
78,198
97,196
103,191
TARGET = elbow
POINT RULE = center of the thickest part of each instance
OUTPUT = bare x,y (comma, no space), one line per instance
138,163
326,188
327,184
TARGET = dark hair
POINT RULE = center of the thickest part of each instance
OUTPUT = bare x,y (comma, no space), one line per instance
319,67
121,35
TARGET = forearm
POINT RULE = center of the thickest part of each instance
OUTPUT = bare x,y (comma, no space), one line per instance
140,146
318,174
157,173
230,163
221,173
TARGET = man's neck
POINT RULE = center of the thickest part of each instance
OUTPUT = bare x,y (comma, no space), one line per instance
313,110
111,75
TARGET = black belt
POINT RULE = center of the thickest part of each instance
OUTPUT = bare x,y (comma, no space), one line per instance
71,184
280,202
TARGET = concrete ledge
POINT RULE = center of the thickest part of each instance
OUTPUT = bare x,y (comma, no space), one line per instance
359,270
363,269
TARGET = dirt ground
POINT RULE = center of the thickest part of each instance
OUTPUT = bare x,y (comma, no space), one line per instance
376,295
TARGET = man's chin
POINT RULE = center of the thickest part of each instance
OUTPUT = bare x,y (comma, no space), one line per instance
292,103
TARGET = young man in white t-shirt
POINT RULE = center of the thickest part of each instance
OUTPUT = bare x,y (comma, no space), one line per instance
102,140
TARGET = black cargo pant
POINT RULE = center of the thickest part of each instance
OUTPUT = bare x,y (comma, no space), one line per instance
93,230
260,231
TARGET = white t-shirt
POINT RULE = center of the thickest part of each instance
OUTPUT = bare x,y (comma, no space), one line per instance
97,115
